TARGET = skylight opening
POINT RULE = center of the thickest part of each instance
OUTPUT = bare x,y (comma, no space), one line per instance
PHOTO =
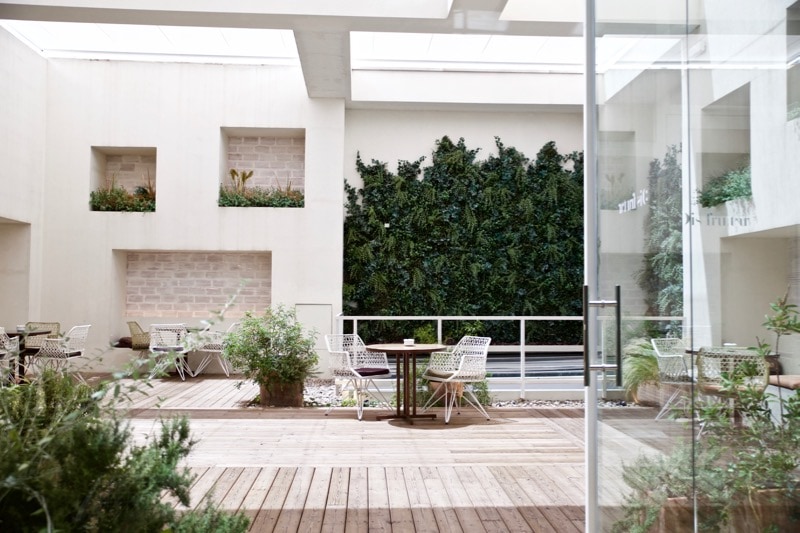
465,52
156,43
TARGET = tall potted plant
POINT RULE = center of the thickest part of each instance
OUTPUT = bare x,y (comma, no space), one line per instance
276,352
741,477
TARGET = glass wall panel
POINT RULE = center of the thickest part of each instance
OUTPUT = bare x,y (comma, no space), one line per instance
697,142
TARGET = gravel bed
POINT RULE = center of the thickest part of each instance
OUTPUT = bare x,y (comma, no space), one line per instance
321,392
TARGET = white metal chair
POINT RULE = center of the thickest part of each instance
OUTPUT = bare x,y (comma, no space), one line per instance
9,351
674,368
56,352
168,340
212,345
743,366
350,360
456,372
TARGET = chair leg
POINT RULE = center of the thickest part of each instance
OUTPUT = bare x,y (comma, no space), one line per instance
338,401
665,409
473,401
437,394
182,366
203,364
226,367
449,401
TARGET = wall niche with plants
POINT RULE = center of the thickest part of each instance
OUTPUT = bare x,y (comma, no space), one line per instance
123,179
262,167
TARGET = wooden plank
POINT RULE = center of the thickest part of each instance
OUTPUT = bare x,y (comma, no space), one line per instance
421,507
289,519
497,498
547,499
399,504
204,484
221,487
255,497
467,515
487,512
446,516
533,515
235,497
358,501
335,517
379,517
270,511
314,506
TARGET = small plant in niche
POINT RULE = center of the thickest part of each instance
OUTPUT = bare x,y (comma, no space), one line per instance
113,197
238,194
729,186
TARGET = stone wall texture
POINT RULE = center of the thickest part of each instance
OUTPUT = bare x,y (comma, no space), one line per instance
194,284
276,162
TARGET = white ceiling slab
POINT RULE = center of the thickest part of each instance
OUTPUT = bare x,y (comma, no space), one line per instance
333,40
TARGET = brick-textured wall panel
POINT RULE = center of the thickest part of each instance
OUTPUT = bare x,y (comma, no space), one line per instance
130,171
275,161
192,284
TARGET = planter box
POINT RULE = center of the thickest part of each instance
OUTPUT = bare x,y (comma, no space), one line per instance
770,510
281,395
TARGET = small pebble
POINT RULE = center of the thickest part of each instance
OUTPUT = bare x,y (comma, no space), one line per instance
321,392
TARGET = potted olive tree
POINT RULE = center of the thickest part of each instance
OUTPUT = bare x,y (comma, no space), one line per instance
741,477
276,352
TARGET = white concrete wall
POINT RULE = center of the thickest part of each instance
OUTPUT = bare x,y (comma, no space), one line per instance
180,109
23,85
390,136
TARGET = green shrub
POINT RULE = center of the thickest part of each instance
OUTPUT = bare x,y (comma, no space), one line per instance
260,197
465,237
273,347
639,367
69,463
116,198
729,186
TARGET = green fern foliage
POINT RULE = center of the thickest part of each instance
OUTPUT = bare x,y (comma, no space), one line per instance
502,236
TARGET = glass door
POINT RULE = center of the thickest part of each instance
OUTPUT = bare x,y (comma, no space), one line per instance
692,260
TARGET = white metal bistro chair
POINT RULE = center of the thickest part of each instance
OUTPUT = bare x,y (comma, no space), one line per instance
56,352
674,368
212,345
168,341
350,360
456,372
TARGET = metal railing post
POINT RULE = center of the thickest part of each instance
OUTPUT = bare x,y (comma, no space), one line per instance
522,351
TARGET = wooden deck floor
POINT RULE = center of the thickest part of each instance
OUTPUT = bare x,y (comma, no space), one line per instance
299,470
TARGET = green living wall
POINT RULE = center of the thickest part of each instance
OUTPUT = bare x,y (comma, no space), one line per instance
501,236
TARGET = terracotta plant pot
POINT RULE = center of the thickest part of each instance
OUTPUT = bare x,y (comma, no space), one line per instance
279,394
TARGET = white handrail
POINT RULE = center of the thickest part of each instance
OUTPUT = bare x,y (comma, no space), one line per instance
522,347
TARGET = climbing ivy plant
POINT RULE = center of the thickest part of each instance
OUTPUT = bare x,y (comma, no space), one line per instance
661,277
502,236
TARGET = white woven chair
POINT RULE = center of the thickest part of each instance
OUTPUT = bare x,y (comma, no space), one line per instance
9,351
716,365
674,368
140,339
168,340
56,352
212,345
350,360
456,372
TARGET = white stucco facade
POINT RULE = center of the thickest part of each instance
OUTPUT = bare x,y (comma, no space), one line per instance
69,263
